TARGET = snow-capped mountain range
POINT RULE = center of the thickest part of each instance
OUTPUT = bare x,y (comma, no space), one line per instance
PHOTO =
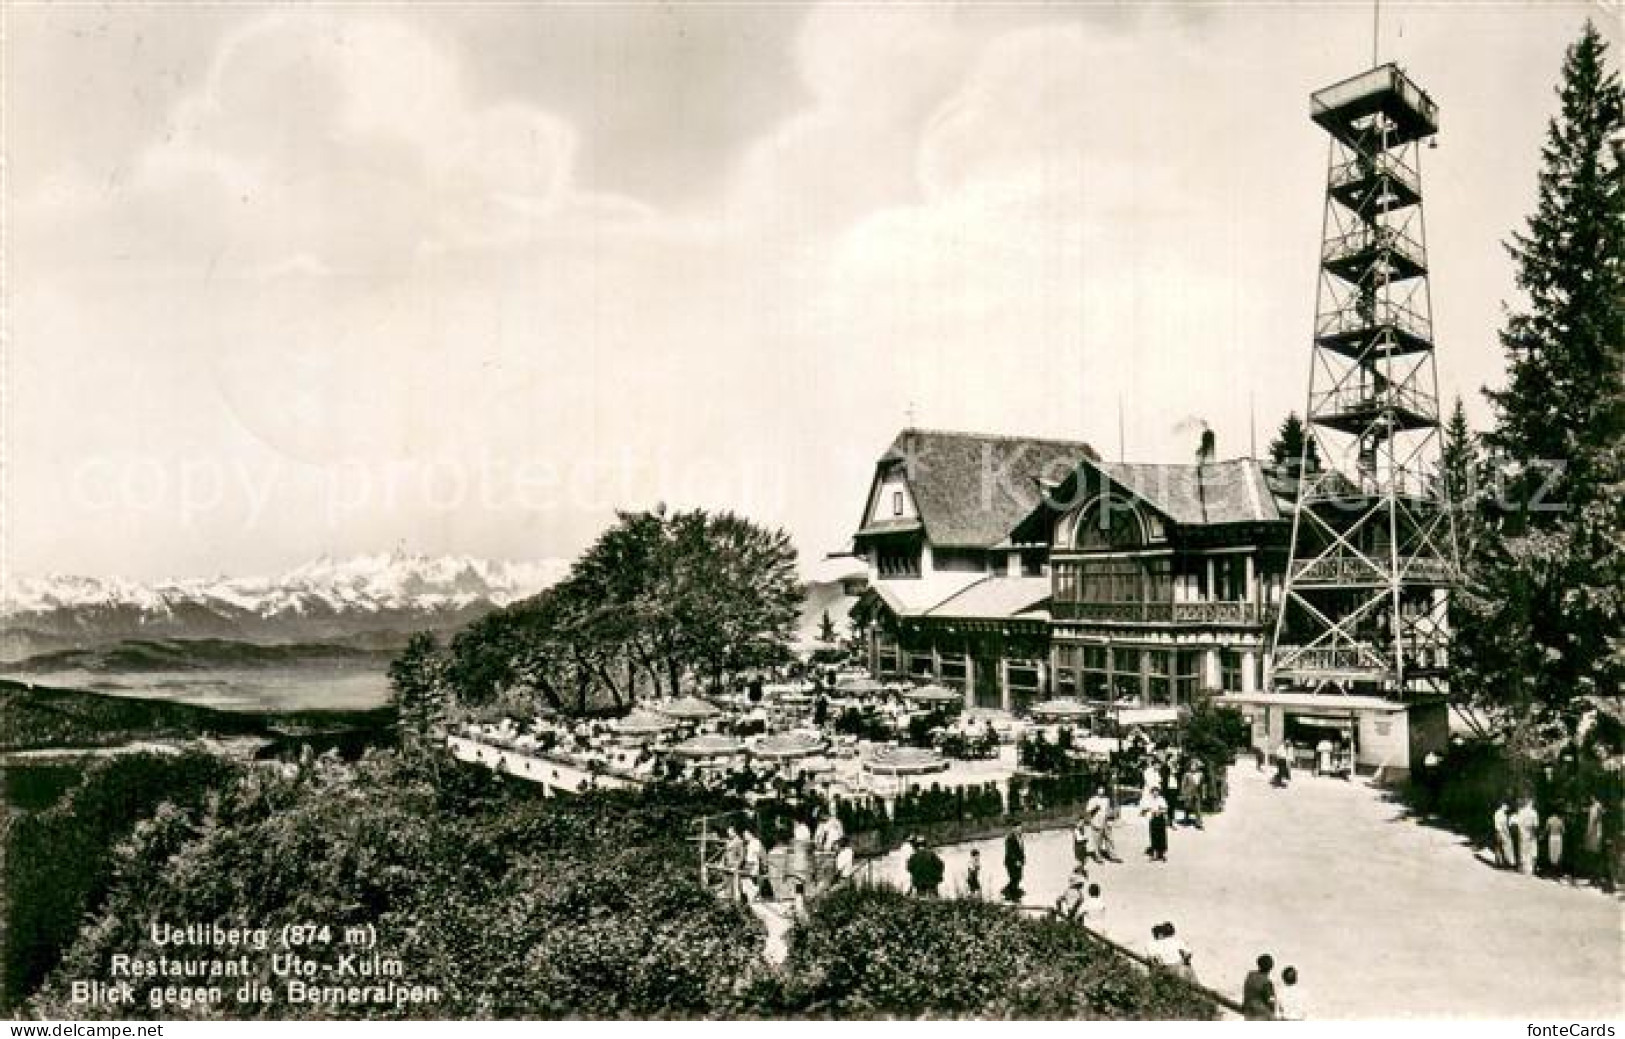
325,599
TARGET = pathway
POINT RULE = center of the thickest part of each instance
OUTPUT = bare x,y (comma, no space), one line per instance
1383,916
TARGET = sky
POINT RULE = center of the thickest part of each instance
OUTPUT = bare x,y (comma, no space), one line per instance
293,280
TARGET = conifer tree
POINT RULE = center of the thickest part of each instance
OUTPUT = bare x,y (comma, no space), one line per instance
1541,615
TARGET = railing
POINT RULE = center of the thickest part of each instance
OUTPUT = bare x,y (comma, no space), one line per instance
1429,567
1375,81
1373,657
1162,612
1370,239
1355,399
1354,318
1216,612
1356,489
1386,164
1340,658
1339,570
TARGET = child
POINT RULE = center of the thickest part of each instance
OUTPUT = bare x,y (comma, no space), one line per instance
973,874
1094,909
1289,1001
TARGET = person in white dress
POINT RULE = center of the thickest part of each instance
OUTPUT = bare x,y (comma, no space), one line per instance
1527,826
1167,950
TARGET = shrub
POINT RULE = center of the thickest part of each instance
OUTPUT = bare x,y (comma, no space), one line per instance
868,952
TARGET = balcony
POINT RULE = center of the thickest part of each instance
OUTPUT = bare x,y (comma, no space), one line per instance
1351,109
1369,184
1187,613
1390,253
1377,330
1355,662
1341,571
1356,409
1354,572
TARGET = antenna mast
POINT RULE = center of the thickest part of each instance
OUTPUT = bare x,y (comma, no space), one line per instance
1376,24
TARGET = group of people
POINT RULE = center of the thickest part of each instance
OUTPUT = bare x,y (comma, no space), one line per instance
927,872
1329,759
1263,1000
1173,789
1525,842
815,859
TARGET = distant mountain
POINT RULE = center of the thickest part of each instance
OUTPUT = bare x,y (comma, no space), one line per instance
367,602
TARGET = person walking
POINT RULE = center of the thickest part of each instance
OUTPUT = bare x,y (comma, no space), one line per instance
1098,813
1526,823
973,874
1083,843
1323,767
1555,828
733,861
1283,764
1289,999
1591,840
1258,991
1150,779
1015,862
1190,794
1157,813
750,882
1506,857
925,869
846,861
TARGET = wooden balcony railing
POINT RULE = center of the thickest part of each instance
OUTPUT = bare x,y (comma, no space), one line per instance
1161,612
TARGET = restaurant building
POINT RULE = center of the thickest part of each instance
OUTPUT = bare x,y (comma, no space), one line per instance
1015,569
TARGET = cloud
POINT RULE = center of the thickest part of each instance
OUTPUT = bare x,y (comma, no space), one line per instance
336,140
343,247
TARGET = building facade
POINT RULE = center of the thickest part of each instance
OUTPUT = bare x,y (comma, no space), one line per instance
1016,569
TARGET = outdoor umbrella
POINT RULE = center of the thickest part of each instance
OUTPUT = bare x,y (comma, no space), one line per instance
688,708
857,686
708,746
934,694
644,723
905,761
788,745
1064,708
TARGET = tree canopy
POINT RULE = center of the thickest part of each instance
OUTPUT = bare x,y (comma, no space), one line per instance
1293,446
1539,620
656,601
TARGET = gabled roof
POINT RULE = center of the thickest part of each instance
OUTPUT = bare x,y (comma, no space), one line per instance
1236,490
1231,491
971,488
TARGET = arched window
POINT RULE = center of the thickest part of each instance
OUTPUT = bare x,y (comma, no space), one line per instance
1108,523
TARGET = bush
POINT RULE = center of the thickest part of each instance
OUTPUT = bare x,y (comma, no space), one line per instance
1214,734
510,904
869,952
57,861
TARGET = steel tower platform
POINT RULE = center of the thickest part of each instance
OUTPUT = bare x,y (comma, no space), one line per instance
1373,542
